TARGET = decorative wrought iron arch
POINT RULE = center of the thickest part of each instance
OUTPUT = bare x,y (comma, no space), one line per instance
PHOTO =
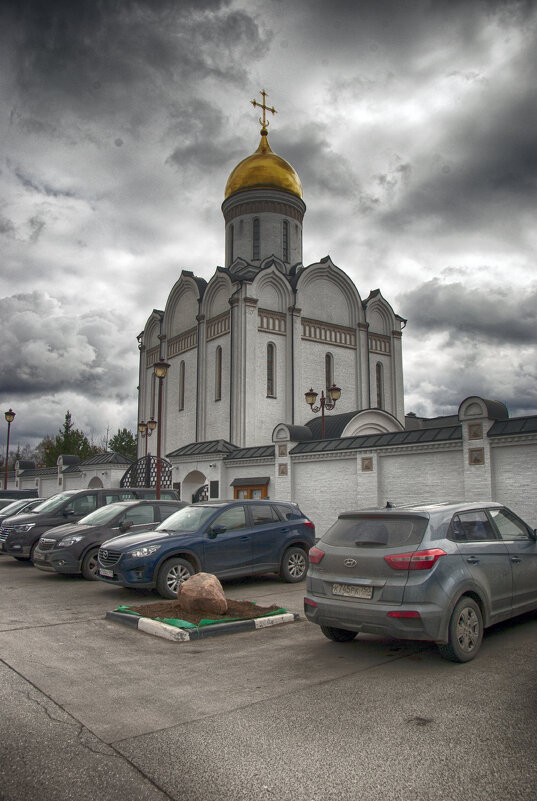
143,473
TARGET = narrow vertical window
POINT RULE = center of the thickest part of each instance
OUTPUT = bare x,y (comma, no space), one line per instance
328,371
256,239
181,386
218,375
285,234
271,376
231,243
380,386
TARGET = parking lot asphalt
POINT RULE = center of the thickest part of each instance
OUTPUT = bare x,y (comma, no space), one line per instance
94,710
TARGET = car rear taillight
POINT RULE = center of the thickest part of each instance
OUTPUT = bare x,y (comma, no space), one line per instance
315,555
309,524
416,560
309,602
404,614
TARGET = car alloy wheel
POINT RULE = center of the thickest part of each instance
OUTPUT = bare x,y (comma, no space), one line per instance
465,632
294,565
171,575
468,630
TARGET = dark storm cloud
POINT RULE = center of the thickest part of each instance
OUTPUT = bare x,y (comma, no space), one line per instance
91,57
49,348
497,315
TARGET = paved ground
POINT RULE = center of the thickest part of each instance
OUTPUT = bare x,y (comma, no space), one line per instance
93,710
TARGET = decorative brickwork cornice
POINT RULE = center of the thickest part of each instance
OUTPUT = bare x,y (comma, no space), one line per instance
183,342
218,326
328,333
272,322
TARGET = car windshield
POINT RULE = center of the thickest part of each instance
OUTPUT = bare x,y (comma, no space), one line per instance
102,516
14,507
51,504
380,531
190,518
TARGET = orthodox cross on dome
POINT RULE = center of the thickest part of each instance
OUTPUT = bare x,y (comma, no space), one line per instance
263,121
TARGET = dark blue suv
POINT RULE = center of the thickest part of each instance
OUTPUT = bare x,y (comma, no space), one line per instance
226,538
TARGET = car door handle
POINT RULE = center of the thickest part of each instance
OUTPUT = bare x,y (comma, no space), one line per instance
244,539
285,531
473,560
515,559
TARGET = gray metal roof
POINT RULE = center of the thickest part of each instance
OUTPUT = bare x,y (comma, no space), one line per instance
197,448
108,457
256,452
517,425
251,482
445,434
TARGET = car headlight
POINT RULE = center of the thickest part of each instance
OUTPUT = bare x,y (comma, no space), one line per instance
70,540
23,528
144,550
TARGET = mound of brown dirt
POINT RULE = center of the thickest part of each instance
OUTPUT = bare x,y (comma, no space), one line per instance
173,609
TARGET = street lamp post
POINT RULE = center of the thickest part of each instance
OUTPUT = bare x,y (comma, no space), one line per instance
334,394
161,371
10,416
146,429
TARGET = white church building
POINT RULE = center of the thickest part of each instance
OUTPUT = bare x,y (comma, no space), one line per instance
243,349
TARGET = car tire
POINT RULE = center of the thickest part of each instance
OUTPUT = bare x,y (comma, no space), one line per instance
465,632
294,565
90,565
172,573
338,635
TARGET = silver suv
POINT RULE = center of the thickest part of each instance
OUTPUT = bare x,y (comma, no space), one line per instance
441,573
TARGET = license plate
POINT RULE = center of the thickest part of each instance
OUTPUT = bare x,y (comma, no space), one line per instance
105,572
352,590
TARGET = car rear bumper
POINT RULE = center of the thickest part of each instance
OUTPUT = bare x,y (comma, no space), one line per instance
373,618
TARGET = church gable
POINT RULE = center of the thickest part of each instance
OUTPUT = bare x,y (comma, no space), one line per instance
326,293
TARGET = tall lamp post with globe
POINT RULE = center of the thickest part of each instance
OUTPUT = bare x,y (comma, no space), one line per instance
10,416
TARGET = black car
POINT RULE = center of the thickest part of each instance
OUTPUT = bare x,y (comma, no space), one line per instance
19,534
17,507
73,547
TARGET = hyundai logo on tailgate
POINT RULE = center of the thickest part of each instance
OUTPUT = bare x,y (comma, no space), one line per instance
350,562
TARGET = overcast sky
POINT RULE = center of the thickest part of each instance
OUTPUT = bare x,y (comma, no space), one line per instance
412,125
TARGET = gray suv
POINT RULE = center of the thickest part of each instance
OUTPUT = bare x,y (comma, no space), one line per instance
441,573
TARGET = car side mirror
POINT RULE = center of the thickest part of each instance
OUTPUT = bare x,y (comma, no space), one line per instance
125,525
533,534
214,531
68,512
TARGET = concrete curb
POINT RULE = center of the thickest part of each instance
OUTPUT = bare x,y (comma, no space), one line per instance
167,632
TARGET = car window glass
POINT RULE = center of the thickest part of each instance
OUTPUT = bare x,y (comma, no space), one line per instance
113,499
141,514
231,518
190,518
82,504
509,527
377,532
288,513
263,513
166,510
473,527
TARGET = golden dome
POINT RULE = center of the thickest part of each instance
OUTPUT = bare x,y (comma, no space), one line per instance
264,169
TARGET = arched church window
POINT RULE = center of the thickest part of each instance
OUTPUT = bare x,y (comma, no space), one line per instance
218,375
285,234
181,386
328,371
271,370
256,241
380,385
